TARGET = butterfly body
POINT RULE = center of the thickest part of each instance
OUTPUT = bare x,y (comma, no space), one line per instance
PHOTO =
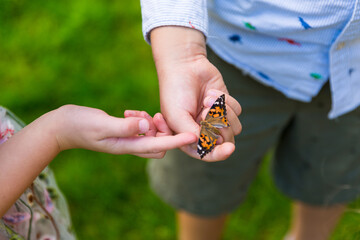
209,133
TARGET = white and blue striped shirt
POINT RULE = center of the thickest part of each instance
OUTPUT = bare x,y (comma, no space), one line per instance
293,46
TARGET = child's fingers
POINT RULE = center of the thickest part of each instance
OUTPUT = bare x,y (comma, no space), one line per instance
152,129
164,143
234,121
163,130
147,144
151,155
161,125
227,135
131,113
134,113
213,94
125,127
219,153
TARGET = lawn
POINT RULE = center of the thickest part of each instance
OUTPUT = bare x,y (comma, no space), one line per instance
92,53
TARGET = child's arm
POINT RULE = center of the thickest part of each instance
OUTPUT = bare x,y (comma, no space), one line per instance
29,151
157,128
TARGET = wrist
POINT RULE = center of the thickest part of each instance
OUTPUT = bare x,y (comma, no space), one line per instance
50,125
171,44
54,129
61,127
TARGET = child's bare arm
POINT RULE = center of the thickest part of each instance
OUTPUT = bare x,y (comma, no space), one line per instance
29,151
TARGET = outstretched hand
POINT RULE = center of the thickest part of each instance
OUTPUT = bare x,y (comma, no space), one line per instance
138,133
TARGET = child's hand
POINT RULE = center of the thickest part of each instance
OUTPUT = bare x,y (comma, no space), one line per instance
186,76
158,128
93,129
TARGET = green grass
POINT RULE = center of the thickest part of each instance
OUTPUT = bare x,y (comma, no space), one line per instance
92,53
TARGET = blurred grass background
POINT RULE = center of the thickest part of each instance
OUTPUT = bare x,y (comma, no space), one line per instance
92,53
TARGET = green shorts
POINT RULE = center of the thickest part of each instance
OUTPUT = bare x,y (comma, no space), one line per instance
316,160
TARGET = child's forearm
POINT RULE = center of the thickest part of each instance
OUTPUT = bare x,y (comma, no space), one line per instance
24,156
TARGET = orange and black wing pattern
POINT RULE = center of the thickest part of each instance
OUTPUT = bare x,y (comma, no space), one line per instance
209,133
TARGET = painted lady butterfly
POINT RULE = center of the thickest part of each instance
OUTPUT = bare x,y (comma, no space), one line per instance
209,133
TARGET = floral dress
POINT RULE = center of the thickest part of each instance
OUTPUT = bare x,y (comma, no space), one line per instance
41,212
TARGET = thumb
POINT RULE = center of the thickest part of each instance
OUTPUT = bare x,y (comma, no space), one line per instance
126,127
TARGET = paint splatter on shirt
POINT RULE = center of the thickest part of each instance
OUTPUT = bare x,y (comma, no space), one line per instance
304,24
235,38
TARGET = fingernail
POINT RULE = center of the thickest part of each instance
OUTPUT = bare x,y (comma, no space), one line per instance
159,116
145,114
143,126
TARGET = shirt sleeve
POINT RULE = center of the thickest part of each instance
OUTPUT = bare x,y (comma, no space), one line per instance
186,13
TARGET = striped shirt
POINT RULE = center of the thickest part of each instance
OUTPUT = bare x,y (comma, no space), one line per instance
293,46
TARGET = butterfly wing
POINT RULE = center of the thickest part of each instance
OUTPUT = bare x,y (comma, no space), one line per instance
207,139
215,118
217,113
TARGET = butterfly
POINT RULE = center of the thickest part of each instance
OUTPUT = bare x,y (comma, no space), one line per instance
209,133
